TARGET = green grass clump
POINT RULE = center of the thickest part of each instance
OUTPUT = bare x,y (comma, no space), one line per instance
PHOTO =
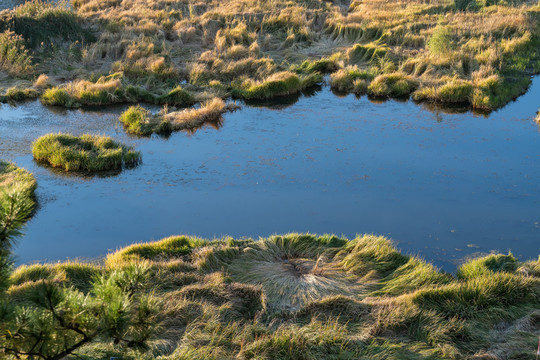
279,84
13,178
178,96
86,153
487,265
175,246
77,274
19,94
392,85
365,53
302,296
58,97
440,42
136,121
531,268
465,299
455,92
350,79
372,253
323,66
42,23
14,56
412,275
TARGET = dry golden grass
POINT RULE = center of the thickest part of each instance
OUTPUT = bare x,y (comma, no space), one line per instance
210,111
235,43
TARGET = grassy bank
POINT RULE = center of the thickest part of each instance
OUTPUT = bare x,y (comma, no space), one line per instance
479,53
13,178
17,203
301,296
85,153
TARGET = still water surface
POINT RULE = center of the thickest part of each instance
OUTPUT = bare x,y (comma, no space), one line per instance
442,185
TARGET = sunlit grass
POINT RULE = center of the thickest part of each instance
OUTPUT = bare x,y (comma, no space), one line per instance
86,153
155,44
301,296
139,121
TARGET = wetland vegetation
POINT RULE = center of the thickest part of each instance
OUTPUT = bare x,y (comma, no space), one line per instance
139,121
85,153
296,296
292,296
91,52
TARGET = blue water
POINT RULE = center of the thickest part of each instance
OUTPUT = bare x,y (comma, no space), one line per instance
443,186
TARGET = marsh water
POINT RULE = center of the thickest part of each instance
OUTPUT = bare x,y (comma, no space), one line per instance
442,185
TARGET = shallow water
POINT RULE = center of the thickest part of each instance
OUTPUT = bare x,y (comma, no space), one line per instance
443,185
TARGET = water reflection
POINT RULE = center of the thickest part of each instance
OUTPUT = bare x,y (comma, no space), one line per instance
444,184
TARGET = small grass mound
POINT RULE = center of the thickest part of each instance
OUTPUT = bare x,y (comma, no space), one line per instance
352,79
136,121
14,178
139,121
78,274
86,153
293,270
323,66
175,246
278,84
487,265
392,85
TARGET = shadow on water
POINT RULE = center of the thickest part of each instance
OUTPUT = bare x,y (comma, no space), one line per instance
61,173
443,182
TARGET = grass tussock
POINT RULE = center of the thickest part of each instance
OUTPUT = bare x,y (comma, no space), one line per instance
392,85
139,121
112,89
16,180
86,153
279,84
301,296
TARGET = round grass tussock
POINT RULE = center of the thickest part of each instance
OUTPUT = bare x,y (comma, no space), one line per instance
392,85
293,270
278,84
57,97
13,178
136,121
85,153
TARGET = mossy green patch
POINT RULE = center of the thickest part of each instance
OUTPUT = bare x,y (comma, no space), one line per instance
86,153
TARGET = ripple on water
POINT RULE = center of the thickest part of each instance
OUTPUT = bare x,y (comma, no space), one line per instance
445,185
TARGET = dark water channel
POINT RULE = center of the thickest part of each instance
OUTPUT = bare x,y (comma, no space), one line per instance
442,185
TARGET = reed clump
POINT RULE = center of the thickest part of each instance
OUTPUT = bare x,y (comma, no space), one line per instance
85,153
